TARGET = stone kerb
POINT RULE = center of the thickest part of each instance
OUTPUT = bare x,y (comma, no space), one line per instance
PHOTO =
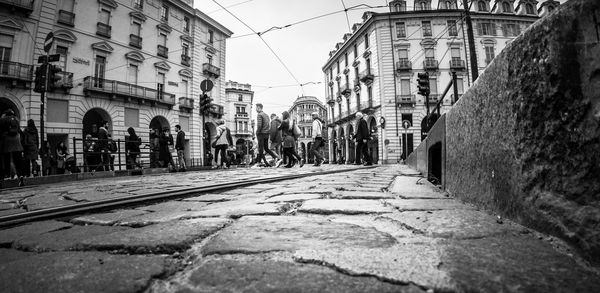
524,140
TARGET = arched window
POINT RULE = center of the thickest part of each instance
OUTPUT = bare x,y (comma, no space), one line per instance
398,7
481,6
529,8
506,7
422,5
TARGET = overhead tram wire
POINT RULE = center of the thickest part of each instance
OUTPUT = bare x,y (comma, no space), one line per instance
346,12
232,5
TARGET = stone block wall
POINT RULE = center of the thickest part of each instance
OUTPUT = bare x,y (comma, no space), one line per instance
524,140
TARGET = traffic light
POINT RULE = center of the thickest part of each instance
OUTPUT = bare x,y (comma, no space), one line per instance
423,83
53,77
205,103
40,79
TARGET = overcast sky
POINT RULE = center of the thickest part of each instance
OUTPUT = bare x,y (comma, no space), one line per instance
303,48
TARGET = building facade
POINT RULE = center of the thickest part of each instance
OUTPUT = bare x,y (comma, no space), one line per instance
238,105
374,70
301,112
133,63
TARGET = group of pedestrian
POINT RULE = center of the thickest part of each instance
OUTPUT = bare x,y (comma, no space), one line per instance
19,148
162,146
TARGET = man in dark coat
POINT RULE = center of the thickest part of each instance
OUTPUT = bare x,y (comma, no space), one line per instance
180,147
103,147
263,128
11,143
275,135
362,137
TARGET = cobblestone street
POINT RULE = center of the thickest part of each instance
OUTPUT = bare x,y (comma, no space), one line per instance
372,230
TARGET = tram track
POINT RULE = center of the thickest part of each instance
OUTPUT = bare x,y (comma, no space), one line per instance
119,202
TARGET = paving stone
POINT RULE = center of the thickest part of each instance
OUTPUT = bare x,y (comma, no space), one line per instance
408,263
427,204
107,219
8,236
210,197
459,223
11,211
416,187
376,221
64,239
361,195
44,201
8,255
174,205
81,272
293,197
256,273
514,264
344,206
286,233
150,218
238,208
159,238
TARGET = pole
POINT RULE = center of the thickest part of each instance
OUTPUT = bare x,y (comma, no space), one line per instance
454,82
474,67
42,106
202,161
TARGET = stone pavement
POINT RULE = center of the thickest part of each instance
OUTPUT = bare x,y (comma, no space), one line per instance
372,230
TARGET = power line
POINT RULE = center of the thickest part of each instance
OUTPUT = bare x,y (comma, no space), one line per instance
232,5
346,12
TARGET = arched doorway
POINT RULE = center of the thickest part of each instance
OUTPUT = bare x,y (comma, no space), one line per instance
92,121
6,104
333,146
309,157
351,145
159,123
341,147
374,142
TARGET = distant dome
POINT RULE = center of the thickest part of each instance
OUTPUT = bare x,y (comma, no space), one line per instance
308,99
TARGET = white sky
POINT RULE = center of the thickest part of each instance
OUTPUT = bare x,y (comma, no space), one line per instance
304,47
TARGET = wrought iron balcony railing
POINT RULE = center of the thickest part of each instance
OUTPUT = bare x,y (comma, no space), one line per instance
119,88
187,103
346,89
366,76
457,64
66,17
103,30
162,51
241,115
430,64
16,71
211,70
405,99
403,65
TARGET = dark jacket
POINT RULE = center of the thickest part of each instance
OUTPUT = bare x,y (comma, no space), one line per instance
262,123
362,131
133,144
289,140
180,141
163,141
275,136
30,143
103,139
9,135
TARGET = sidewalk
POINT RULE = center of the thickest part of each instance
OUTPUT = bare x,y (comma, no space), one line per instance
373,230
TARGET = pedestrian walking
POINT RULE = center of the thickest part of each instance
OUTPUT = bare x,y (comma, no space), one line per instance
112,148
263,129
180,147
221,143
289,141
30,142
132,146
275,134
165,142
103,147
88,147
61,157
362,137
154,148
11,147
317,136
48,159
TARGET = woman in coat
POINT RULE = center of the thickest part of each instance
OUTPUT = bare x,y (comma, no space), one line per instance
133,148
223,141
289,141
31,148
11,143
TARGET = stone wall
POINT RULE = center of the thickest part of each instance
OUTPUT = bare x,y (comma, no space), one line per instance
524,141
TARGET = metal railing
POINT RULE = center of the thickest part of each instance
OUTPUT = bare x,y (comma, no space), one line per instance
210,69
403,64
366,75
26,4
135,41
103,29
457,64
430,63
406,99
66,17
241,115
15,70
91,83
186,102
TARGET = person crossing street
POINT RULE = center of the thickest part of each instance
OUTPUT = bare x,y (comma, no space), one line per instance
263,128
317,136
362,137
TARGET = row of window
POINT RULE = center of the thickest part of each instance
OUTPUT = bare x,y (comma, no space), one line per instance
482,6
483,29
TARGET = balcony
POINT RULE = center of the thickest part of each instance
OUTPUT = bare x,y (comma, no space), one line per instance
66,17
135,41
241,115
211,70
217,110
186,103
185,60
430,64
405,100
162,51
16,71
103,30
346,91
366,76
129,91
403,65
66,80
434,98
330,100
241,132
25,6
457,64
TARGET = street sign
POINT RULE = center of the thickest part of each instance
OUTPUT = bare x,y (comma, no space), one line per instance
206,85
48,42
405,124
51,58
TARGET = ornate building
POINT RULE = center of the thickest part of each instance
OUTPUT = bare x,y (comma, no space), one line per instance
133,63
239,101
374,69
301,112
